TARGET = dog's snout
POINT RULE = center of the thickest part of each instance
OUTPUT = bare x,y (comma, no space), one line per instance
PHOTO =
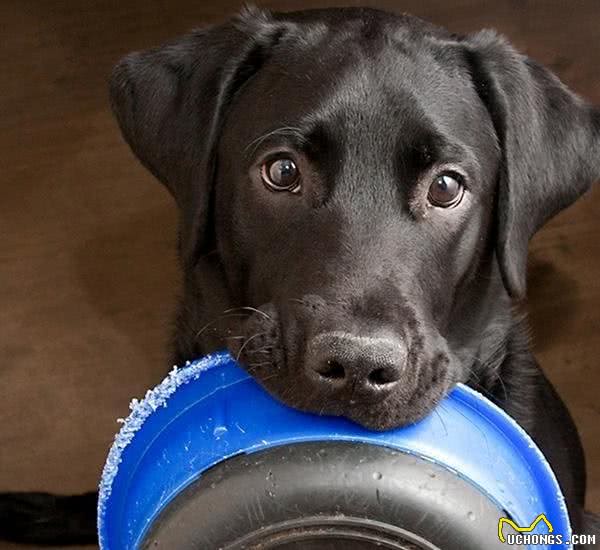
363,366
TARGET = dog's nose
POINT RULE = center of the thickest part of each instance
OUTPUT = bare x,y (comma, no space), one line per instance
364,367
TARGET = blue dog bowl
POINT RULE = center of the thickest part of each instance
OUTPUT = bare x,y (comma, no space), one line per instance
209,440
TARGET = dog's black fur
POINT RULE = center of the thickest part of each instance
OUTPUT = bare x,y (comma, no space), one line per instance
356,266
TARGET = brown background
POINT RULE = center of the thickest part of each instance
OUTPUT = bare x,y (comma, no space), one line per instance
87,266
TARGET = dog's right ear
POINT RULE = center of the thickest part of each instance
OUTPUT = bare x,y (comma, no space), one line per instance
169,102
550,142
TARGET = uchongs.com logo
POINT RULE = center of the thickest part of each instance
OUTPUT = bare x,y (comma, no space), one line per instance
512,534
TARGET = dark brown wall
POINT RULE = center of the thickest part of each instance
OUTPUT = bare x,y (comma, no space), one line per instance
87,265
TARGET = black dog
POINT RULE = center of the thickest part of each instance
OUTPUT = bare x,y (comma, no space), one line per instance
357,192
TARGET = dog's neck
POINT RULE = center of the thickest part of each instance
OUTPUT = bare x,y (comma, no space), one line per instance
489,332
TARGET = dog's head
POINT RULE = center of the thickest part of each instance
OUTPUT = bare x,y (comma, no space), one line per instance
357,192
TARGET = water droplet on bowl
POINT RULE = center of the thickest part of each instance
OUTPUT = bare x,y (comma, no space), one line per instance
219,431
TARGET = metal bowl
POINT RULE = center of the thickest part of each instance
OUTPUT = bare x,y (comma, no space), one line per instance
209,460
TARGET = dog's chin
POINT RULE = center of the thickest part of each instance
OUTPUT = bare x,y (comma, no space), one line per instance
383,417
388,414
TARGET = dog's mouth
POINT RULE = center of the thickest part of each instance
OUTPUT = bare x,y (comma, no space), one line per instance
277,358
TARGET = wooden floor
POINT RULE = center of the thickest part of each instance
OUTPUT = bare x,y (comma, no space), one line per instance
87,267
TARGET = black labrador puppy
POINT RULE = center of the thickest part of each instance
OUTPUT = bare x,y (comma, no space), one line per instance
357,192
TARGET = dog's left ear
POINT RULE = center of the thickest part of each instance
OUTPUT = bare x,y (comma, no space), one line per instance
170,102
550,141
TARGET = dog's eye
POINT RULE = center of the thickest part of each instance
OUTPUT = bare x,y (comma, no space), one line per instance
446,190
281,174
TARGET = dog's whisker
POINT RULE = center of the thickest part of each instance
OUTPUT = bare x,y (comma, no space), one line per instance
216,320
260,364
441,420
481,388
249,308
474,373
240,337
257,335
269,377
505,391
